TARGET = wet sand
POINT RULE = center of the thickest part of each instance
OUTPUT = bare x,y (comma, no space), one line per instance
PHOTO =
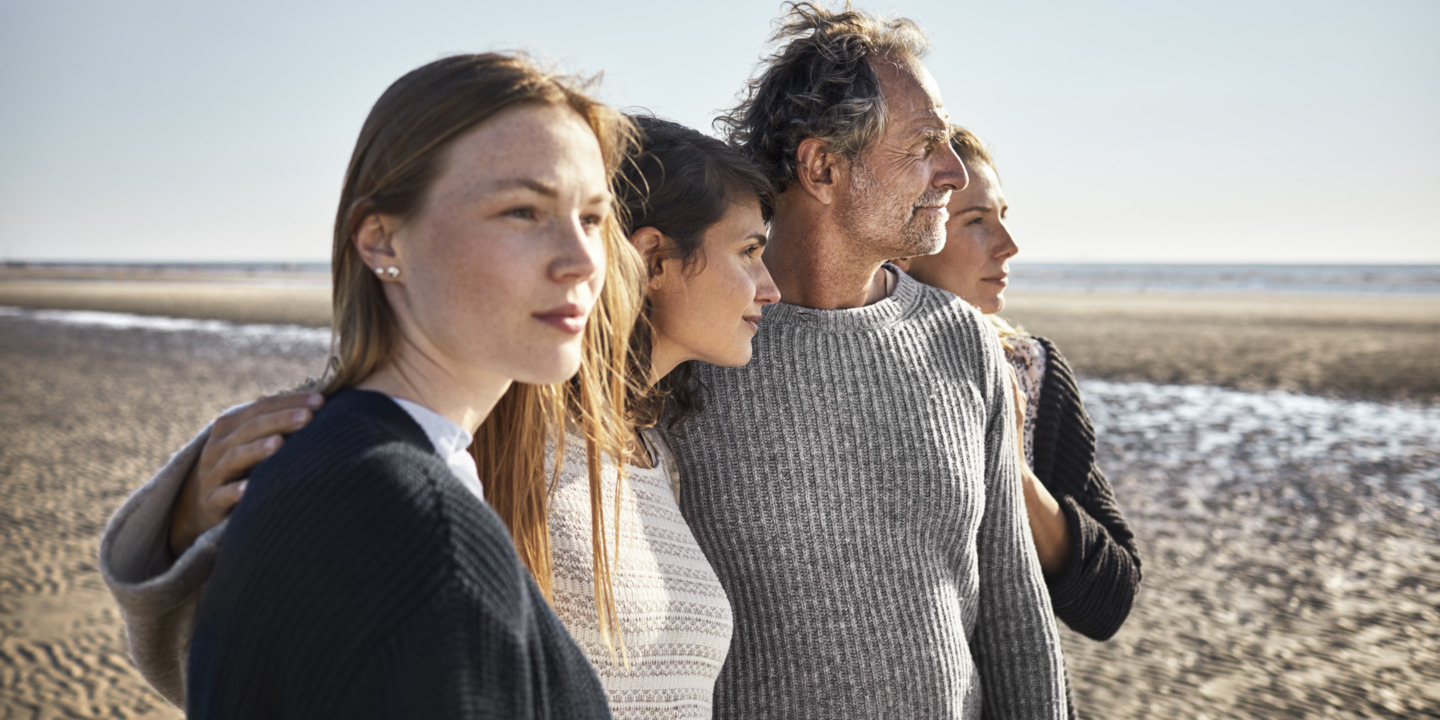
1292,561
86,415
1338,346
240,302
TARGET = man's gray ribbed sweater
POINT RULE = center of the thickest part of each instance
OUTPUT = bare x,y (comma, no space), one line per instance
856,490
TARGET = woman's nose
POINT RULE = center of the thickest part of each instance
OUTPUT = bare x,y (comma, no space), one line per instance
766,292
579,254
1006,247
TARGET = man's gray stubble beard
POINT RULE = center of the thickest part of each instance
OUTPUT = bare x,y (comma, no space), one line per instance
866,203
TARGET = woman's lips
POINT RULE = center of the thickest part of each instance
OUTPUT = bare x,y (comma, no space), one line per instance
753,321
565,318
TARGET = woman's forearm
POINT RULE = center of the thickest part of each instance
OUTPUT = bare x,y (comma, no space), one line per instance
1048,525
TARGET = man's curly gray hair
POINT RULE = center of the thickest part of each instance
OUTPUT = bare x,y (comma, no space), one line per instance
820,83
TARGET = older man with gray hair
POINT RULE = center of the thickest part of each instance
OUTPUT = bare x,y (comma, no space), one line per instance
856,486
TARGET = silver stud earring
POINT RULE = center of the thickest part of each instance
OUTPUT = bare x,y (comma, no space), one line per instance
391,272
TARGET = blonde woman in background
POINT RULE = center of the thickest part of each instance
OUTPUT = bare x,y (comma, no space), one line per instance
1086,549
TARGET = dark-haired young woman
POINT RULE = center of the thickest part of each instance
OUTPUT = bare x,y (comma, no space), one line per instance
693,209
638,596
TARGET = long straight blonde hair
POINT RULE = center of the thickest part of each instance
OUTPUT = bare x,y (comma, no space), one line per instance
510,446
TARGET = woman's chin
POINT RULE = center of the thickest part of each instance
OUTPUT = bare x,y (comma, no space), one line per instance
556,368
989,304
741,356
738,356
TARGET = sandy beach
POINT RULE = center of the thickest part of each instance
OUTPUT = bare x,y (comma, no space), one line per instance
1291,541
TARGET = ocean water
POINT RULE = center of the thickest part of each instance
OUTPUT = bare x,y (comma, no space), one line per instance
1393,280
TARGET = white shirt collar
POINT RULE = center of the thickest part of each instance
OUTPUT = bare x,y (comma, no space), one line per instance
451,443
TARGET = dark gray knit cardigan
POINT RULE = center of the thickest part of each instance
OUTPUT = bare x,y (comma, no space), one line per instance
1095,594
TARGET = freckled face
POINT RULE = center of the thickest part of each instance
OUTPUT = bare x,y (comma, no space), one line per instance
712,314
974,263
502,264
897,190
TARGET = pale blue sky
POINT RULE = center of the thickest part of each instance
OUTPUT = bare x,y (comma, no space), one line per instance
1124,131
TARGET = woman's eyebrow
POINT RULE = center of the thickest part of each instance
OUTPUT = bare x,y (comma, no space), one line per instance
545,188
541,187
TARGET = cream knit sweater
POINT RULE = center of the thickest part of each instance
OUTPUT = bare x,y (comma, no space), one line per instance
674,615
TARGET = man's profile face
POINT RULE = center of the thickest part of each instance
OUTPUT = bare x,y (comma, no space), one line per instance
895,197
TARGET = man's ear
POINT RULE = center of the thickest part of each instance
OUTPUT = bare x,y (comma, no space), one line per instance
815,169
375,242
650,243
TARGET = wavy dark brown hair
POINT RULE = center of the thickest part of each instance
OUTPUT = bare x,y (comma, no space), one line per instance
681,183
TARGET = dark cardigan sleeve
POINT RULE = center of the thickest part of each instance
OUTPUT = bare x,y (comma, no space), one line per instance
1095,594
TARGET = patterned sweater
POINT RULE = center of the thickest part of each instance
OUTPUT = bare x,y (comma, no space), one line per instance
856,489
674,615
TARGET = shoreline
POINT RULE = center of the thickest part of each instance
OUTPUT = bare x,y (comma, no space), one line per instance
1342,346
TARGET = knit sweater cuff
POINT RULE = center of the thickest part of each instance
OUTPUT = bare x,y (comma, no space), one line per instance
155,592
135,557
1077,599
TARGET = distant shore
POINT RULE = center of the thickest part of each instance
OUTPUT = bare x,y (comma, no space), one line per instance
1370,347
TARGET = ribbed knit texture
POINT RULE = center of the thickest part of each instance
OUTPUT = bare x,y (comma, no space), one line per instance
1095,594
157,595
673,611
855,488
358,579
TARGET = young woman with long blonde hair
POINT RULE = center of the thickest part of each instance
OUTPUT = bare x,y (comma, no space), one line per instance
363,576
